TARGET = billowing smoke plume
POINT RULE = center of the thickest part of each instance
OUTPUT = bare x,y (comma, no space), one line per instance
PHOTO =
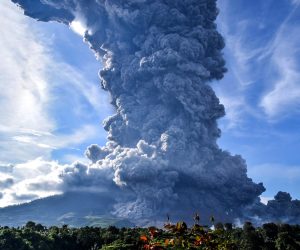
281,209
161,156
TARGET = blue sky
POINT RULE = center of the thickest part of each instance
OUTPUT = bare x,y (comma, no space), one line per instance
48,109
261,91
52,104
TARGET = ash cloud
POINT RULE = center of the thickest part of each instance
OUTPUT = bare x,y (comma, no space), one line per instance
282,209
161,156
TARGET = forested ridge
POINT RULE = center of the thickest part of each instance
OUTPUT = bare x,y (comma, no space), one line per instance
172,236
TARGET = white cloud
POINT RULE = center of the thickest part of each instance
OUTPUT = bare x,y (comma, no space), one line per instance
283,98
265,199
23,86
240,55
255,63
78,27
31,180
239,52
52,141
31,80
24,92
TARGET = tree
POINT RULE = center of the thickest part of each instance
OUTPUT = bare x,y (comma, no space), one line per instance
250,239
286,242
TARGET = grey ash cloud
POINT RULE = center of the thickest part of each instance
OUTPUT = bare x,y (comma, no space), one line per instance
162,156
281,209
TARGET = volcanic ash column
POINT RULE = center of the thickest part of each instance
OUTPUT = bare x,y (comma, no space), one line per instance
159,57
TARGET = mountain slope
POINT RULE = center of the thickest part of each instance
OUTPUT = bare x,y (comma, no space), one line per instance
73,208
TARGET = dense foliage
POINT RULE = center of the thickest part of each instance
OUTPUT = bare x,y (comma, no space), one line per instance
173,236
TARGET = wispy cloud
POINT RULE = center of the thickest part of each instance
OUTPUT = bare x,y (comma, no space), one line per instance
234,112
23,83
239,55
283,95
295,2
36,86
52,141
263,78
76,85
